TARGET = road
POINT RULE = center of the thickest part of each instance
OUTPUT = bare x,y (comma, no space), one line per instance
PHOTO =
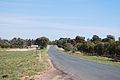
83,69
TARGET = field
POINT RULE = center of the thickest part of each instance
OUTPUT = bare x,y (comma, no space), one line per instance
16,64
98,59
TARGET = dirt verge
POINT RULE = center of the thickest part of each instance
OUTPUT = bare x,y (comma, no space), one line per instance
52,73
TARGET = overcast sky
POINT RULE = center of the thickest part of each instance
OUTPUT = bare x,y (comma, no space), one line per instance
59,18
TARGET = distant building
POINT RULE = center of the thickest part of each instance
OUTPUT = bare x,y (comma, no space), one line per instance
34,46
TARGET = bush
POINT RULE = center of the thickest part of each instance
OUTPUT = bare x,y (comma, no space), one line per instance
42,42
68,47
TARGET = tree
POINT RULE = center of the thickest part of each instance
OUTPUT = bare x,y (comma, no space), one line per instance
118,51
91,47
106,49
95,38
79,46
5,43
111,37
42,42
73,42
119,39
60,43
29,42
112,50
85,47
68,47
17,43
99,48
79,39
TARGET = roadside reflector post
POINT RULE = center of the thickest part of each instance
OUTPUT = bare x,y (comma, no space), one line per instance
40,56
38,53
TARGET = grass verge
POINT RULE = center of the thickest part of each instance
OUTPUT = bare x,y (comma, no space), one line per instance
97,59
17,64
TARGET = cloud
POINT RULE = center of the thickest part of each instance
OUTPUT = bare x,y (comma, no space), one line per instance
37,21
6,18
35,25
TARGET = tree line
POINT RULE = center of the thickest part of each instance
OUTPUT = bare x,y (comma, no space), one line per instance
97,46
108,47
42,42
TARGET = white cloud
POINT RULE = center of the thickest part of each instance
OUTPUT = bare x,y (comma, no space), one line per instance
26,26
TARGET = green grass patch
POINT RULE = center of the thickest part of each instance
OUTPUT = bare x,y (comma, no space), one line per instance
98,59
16,64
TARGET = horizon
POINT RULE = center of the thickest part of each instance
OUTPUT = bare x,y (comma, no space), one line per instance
116,39
56,19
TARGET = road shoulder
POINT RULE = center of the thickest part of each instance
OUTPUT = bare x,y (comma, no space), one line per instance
52,73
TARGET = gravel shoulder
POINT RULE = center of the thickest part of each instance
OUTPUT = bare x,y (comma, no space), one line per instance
53,73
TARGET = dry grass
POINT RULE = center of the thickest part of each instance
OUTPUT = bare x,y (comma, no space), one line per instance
16,64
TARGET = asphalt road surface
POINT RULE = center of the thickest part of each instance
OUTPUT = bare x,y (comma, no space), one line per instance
83,69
